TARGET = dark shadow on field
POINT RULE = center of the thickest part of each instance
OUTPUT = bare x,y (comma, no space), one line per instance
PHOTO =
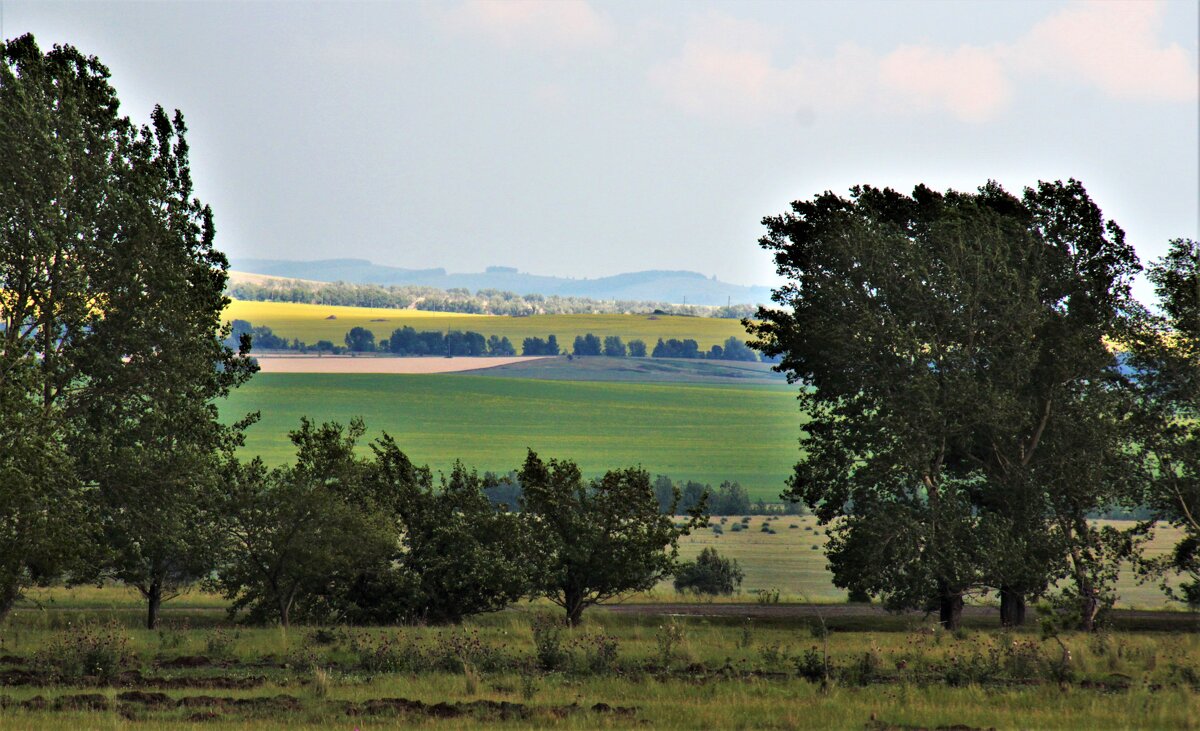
639,370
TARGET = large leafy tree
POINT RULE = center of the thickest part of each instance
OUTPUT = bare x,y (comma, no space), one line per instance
1167,362
110,299
945,343
148,433
598,538
59,132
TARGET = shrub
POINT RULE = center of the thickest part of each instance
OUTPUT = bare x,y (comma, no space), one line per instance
811,665
387,654
768,596
599,652
219,644
86,650
547,642
709,574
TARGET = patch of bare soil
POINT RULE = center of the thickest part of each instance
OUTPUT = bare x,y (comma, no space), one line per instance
135,679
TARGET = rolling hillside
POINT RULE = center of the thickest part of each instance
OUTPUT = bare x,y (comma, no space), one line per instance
311,323
700,432
663,286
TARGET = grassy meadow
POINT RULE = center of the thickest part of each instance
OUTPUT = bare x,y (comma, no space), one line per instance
616,671
311,323
688,431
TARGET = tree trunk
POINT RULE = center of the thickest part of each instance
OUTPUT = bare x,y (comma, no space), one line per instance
1012,607
9,594
950,607
574,605
153,603
1089,608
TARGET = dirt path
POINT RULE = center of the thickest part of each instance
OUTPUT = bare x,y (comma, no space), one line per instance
381,364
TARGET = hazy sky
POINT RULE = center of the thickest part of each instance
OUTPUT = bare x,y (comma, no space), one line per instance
589,138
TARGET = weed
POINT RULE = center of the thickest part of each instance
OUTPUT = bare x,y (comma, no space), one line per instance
668,639
218,644
471,679
529,683
548,643
321,682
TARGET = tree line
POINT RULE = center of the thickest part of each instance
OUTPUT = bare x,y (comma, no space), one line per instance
407,341
481,302
979,380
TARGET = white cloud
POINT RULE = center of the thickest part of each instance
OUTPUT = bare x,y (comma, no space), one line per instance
555,24
1114,46
727,69
969,82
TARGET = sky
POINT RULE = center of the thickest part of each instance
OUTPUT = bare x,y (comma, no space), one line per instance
585,138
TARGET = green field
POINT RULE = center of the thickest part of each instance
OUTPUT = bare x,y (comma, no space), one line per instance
701,432
310,323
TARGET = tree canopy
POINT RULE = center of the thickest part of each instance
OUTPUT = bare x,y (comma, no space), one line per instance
965,409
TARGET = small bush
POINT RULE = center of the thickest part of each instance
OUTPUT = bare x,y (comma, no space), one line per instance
736,528
709,574
599,653
768,596
773,655
387,654
218,644
86,650
811,665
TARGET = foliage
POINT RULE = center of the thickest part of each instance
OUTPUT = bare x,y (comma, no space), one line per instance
965,412
111,296
597,538
1166,360
360,340
537,346
587,344
709,574
86,650
458,555
295,533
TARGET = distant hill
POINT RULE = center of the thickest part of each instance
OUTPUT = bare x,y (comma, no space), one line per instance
662,286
